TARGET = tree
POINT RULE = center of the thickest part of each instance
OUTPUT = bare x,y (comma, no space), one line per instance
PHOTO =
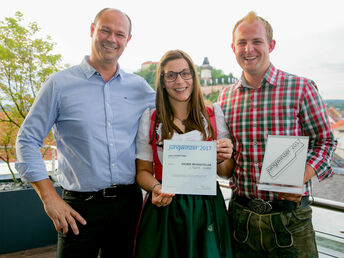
219,77
212,97
149,75
26,60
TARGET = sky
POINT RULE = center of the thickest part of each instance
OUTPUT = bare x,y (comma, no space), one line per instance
309,34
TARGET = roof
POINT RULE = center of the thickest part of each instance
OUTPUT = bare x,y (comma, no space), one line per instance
339,124
205,61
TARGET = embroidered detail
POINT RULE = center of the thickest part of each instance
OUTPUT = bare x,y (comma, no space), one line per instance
211,227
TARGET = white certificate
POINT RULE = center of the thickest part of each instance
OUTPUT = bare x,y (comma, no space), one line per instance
189,167
284,164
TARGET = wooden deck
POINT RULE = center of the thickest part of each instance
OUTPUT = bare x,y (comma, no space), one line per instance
42,252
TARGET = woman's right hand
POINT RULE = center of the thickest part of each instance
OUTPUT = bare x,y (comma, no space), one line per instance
159,198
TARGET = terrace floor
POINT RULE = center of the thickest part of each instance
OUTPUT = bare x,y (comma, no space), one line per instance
42,252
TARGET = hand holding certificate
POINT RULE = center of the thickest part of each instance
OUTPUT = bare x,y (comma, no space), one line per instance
189,167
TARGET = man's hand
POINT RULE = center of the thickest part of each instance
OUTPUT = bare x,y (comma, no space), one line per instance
63,215
309,173
57,209
291,197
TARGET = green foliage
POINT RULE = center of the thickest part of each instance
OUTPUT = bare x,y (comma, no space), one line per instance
219,77
217,74
231,79
26,60
149,75
212,97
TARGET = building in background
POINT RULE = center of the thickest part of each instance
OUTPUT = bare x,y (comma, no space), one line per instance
147,64
206,72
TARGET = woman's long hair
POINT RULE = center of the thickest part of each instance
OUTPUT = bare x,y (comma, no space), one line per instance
196,106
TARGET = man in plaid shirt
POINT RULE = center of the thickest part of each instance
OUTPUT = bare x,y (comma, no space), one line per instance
267,101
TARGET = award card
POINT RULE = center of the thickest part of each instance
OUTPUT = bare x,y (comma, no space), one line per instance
189,167
284,164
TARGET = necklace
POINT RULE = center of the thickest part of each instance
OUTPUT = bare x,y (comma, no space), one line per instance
183,121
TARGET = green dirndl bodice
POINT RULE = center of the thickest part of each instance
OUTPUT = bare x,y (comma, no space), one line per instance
190,226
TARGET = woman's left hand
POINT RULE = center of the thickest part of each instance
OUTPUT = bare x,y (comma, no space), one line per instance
224,148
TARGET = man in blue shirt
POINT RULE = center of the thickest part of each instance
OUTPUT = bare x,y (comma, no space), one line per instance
93,109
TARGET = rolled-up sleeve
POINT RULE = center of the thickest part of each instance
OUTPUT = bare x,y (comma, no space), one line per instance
315,124
32,133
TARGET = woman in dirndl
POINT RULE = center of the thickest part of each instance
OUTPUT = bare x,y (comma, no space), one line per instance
181,225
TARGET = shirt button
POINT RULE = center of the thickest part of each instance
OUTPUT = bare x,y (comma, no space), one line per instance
113,165
255,142
109,124
111,145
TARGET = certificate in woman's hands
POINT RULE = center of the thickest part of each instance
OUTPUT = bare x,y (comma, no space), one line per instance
189,167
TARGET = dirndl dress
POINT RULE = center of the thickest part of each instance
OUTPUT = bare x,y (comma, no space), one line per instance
190,226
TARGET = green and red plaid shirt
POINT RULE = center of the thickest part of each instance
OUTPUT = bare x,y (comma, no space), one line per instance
284,104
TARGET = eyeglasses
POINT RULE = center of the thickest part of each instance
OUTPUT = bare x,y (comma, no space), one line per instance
170,76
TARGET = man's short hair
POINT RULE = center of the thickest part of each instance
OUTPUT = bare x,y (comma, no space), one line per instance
106,9
251,17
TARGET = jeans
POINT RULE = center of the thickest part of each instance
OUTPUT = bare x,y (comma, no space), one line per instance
282,234
110,229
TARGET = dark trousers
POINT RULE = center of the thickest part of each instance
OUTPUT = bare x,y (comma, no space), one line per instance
277,234
110,229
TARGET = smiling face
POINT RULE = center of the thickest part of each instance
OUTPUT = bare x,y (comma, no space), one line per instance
180,90
110,35
252,49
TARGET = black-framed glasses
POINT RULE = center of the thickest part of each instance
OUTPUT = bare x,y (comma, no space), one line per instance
171,76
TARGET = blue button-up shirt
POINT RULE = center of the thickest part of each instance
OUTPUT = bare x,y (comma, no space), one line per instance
94,124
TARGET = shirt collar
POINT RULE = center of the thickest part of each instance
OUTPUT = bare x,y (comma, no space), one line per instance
269,77
244,82
89,69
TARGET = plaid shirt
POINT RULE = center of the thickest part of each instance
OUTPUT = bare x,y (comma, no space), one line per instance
284,104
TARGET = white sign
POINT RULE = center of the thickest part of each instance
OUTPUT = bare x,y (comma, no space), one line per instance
189,167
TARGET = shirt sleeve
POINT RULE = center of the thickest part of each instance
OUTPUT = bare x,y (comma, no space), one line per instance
32,133
149,94
315,123
143,148
221,126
